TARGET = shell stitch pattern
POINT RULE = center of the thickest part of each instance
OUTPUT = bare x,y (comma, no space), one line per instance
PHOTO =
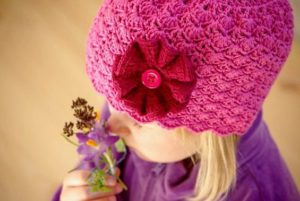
237,46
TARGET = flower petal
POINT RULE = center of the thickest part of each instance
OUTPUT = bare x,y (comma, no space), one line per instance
98,163
86,165
97,135
89,157
84,149
105,113
82,137
109,140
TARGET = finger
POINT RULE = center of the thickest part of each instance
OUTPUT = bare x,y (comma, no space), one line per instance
80,177
85,193
118,171
77,178
110,198
110,180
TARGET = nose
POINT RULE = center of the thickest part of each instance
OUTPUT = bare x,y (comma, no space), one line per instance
117,126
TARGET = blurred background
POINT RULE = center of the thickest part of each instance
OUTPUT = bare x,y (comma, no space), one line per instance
42,59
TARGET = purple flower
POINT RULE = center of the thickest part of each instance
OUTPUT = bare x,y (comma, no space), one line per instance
96,142
93,145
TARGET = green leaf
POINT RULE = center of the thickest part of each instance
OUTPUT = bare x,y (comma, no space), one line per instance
96,188
105,189
120,145
96,181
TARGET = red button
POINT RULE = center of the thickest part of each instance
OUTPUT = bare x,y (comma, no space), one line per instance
151,78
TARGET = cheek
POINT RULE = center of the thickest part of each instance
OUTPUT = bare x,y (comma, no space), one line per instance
157,146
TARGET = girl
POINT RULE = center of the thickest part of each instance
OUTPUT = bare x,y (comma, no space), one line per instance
185,82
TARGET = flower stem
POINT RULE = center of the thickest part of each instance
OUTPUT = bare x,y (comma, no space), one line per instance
74,143
122,183
110,163
112,169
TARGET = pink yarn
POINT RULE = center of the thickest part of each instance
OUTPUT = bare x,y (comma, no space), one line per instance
147,100
236,48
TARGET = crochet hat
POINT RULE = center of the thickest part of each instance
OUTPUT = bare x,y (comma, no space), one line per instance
201,64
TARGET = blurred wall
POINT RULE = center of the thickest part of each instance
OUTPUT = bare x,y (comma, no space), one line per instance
42,58
296,7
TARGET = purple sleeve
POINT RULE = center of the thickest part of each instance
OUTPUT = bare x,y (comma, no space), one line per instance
246,190
257,187
264,175
56,195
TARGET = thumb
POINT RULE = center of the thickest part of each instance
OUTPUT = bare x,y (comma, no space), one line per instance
118,171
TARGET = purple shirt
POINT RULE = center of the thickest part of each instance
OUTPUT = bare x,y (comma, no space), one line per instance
261,175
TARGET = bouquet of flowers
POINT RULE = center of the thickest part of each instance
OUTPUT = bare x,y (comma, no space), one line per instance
100,149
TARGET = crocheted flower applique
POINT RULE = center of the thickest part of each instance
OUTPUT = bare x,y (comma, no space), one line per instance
153,79
100,150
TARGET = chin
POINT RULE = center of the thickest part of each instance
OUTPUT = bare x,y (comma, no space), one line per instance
153,159
138,153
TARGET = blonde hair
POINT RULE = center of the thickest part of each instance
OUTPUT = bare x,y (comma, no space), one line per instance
217,169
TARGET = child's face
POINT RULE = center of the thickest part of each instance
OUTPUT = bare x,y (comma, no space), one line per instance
149,141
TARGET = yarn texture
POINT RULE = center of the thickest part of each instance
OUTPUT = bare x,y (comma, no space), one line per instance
234,49
153,79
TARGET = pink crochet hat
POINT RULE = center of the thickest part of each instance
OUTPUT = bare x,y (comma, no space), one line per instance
202,64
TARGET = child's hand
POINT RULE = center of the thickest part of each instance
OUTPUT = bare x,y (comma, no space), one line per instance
76,188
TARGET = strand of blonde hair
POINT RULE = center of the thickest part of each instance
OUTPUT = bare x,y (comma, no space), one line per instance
217,156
